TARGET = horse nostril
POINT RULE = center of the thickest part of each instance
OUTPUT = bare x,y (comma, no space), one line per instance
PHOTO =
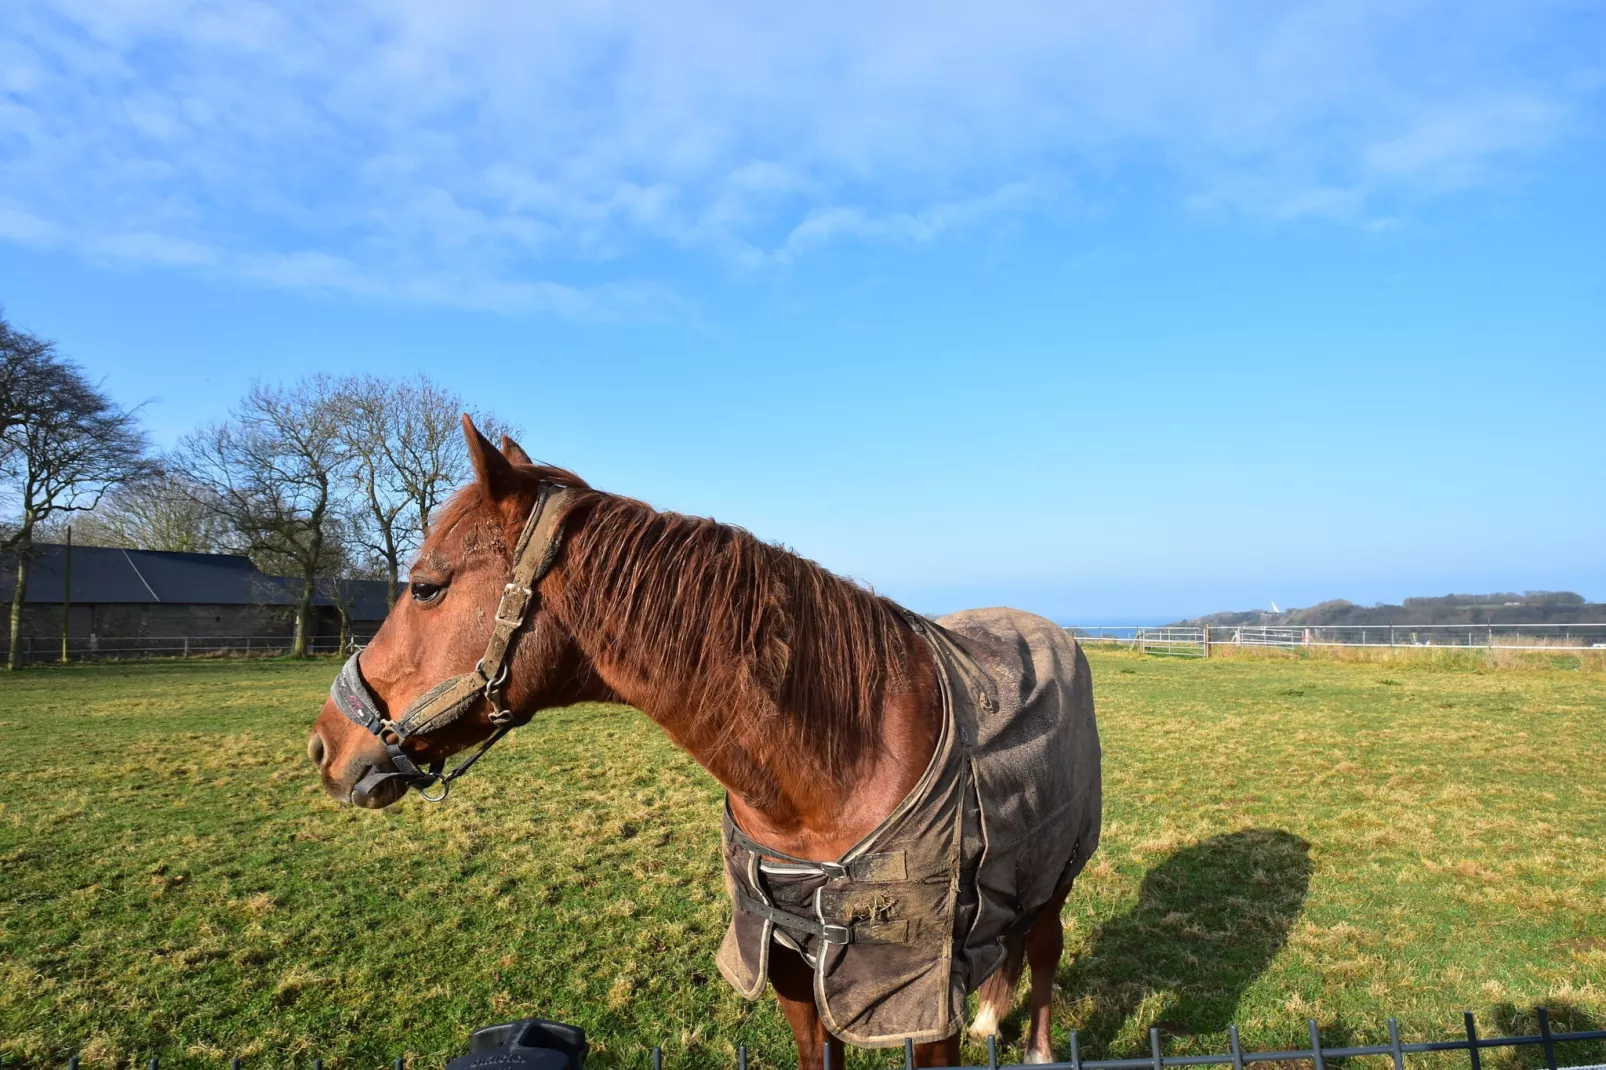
315,749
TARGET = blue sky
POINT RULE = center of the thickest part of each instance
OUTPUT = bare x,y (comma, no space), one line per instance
1111,311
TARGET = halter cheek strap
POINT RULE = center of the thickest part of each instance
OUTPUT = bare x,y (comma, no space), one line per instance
533,557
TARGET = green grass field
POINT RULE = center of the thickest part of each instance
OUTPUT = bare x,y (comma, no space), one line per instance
1283,839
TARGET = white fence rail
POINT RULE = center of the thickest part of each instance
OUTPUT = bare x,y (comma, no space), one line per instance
1162,639
1197,641
38,648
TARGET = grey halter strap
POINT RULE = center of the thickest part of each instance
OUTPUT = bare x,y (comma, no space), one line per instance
533,557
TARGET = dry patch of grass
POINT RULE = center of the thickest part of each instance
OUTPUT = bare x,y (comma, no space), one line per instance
1284,838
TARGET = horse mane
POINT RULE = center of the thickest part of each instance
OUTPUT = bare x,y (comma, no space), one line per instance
769,645
759,643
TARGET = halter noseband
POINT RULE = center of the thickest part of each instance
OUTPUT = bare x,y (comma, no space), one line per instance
448,700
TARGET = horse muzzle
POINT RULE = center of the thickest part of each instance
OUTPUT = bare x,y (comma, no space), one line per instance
358,778
371,793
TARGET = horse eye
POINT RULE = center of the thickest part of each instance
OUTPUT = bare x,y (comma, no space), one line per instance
426,592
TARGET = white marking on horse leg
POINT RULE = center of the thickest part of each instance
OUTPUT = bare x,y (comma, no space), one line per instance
986,1023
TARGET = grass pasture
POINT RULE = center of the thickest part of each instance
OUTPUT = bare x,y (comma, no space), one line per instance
1284,838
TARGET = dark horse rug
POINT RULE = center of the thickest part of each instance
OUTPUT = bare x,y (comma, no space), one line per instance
901,928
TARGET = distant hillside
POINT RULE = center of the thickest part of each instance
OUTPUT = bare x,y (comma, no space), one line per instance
1530,607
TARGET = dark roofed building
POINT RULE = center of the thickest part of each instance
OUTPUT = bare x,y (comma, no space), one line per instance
135,593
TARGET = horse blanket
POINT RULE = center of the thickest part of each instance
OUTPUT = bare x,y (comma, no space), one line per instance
901,928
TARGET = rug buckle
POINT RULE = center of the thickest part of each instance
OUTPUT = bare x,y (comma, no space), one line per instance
836,934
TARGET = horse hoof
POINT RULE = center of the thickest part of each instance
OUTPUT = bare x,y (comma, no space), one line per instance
1033,1057
985,1024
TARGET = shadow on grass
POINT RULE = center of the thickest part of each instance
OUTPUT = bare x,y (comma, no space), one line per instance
1506,1020
1208,921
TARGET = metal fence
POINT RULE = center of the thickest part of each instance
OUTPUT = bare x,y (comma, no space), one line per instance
36,649
1317,1054
1197,640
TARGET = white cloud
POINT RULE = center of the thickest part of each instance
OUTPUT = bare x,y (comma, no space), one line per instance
823,225
469,152
1455,145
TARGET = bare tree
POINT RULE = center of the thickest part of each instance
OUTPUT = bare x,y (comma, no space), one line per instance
407,450
348,565
65,444
378,512
22,358
273,473
161,512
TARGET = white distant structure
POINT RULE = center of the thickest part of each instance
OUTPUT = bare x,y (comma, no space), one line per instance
1274,608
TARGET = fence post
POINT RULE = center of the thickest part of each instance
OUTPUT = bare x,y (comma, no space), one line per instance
1207,640
186,646
1544,1033
66,597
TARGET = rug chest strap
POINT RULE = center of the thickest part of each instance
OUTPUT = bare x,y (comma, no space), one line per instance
887,866
834,870
831,934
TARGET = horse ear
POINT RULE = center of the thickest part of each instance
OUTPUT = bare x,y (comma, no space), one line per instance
514,452
493,471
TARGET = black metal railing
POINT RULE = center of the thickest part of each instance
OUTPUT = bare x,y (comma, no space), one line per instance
1317,1055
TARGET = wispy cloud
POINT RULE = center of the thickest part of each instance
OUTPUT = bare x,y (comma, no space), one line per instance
477,152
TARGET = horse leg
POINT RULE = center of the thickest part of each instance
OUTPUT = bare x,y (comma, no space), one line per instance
1045,942
998,991
793,982
937,1053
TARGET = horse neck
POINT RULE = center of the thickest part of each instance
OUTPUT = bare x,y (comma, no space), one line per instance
797,801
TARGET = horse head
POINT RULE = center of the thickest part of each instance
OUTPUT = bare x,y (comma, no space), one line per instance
423,689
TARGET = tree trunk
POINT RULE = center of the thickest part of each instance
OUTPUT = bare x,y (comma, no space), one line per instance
386,521
14,650
298,648
345,630
392,555
390,587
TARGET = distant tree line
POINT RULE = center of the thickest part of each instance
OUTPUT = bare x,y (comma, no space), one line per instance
1527,598
329,480
1532,607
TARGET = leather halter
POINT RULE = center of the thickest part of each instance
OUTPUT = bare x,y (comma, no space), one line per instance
448,700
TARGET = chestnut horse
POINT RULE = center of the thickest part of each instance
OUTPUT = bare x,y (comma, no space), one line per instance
812,700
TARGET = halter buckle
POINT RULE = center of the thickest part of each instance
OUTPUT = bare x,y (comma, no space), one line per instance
514,604
490,684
